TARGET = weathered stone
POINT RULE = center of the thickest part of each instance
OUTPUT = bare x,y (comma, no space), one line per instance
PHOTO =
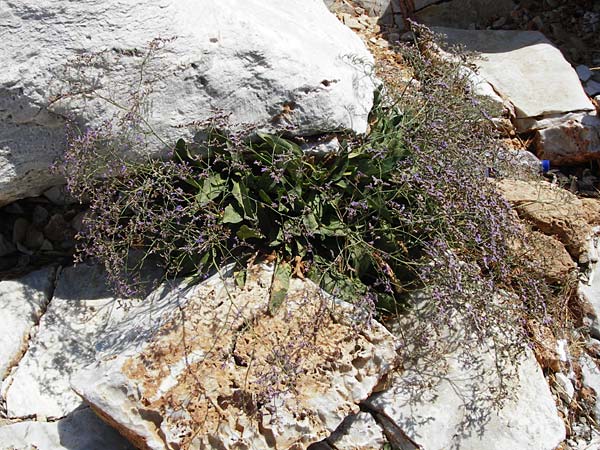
39,216
525,69
592,88
81,308
34,238
208,366
566,389
22,303
276,64
452,415
583,72
552,258
589,282
20,228
590,377
80,430
358,432
554,211
574,140
58,229
464,13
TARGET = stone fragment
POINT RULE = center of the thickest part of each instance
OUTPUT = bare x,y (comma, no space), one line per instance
525,69
566,389
590,377
455,414
34,238
39,216
82,306
22,303
554,211
552,258
583,72
58,229
589,281
20,228
574,140
358,432
263,62
80,430
592,88
208,367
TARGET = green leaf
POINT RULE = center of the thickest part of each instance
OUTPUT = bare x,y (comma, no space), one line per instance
245,232
230,215
240,278
280,286
212,187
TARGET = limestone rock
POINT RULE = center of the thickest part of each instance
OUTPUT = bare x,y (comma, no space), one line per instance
80,309
208,366
277,64
81,430
551,256
554,211
589,283
590,377
22,302
451,415
358,432
524,68
574,140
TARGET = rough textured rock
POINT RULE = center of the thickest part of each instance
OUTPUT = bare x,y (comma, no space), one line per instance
449,416
589,282
80,430
554,211
79,311
524,68
22,303
281,64
358,432
574,140
551,256
590,377
208,366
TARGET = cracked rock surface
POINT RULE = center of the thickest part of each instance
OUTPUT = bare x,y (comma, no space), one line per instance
209,366
22,303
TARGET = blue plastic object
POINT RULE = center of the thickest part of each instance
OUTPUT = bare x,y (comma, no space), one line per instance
545,165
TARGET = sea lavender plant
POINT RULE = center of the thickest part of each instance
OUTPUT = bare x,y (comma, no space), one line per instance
403,218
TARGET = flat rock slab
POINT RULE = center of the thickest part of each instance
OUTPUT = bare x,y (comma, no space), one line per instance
454,413
210,367
80,310
589,283
81,430
524,68
281,65
22,303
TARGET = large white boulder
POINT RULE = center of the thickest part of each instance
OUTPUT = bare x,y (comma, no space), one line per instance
22,303
280,64
210,367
